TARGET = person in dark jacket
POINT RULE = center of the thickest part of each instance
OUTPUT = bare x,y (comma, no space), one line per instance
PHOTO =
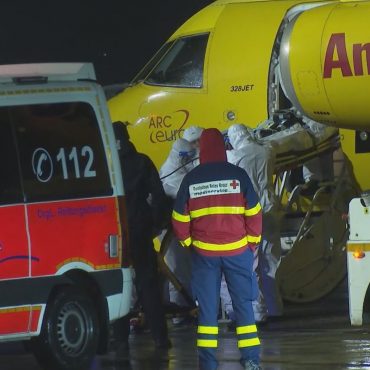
146,208
217,214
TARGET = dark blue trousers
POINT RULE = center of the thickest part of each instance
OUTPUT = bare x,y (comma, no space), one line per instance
242,285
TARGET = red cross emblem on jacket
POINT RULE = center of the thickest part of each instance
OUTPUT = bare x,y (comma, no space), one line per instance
234,184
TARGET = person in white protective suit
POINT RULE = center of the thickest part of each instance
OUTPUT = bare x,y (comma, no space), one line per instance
177,165
258,161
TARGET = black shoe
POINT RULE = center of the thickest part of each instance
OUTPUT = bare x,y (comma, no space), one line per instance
262,323
163,344
271,319
183,321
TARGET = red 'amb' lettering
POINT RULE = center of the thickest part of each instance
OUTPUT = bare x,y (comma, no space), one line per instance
337,43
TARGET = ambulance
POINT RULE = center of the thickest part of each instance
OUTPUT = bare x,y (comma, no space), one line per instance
64,267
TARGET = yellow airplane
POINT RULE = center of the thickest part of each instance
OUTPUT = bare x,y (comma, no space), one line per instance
240,61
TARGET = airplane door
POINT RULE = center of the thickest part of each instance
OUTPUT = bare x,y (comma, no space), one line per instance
14,246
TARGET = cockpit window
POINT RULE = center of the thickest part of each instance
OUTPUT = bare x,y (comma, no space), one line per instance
152,63
182,65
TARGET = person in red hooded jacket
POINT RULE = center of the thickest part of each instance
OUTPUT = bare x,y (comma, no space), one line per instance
217,214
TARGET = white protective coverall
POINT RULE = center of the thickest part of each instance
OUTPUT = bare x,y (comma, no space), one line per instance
177,258
258,161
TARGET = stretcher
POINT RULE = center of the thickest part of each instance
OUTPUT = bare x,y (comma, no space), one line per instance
313,225
297,144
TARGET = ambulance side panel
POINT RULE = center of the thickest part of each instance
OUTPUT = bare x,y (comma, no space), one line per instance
59,207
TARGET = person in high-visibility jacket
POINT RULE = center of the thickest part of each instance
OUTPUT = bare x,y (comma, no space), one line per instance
218,216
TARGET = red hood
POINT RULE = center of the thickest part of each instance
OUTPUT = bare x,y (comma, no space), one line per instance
212,147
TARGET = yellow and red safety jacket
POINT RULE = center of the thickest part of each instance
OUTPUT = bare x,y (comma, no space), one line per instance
216,209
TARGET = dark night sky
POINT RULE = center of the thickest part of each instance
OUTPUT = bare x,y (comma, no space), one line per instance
118,36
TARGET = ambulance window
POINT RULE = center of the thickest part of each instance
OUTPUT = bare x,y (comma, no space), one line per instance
183,64
10,184
61,151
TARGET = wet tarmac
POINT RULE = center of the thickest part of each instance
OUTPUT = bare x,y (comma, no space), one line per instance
314,336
